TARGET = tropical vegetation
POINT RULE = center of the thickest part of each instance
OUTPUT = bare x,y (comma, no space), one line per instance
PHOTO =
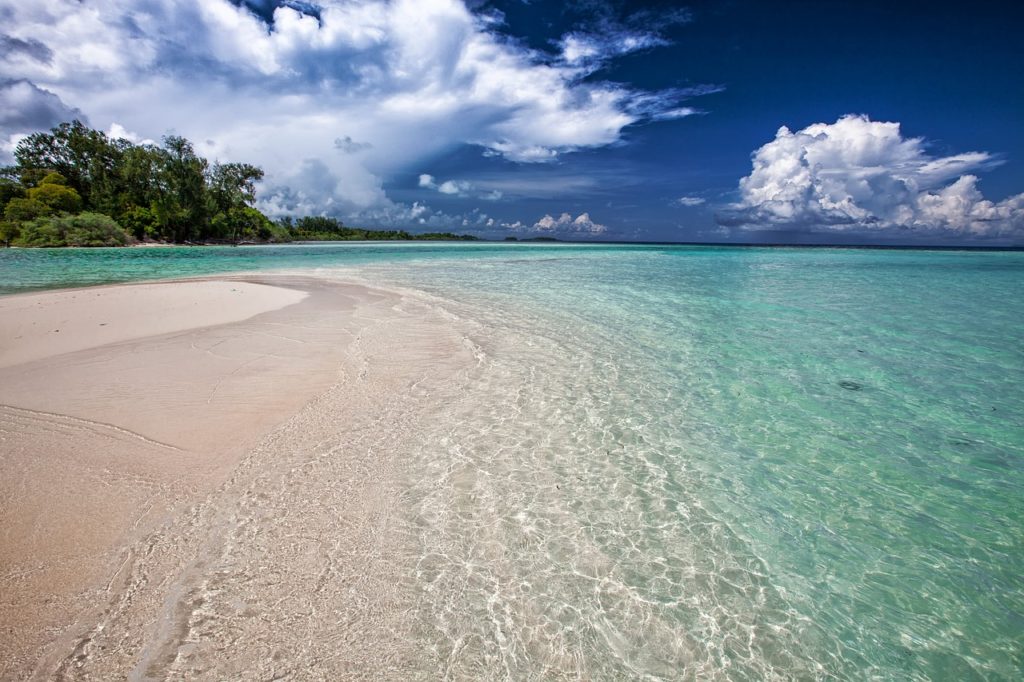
75,186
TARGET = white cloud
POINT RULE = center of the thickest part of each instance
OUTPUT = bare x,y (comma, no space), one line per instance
862,175
610,37
690,201
678,112
546,184
582,48
118,131
387,83
459,188
566,224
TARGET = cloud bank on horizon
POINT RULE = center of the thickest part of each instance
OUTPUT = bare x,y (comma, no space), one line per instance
859,175
331,98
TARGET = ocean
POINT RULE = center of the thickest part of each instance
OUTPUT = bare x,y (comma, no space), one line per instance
698,461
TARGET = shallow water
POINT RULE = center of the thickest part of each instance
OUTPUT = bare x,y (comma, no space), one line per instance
699,462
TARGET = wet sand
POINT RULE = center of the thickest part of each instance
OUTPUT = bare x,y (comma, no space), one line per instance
201,479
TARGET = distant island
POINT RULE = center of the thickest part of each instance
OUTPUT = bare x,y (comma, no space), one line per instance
75,186
321,228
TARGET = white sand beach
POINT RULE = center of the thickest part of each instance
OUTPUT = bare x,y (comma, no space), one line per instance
173,435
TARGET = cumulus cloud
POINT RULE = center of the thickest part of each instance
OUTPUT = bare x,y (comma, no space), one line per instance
455,187
565,224
118,131
862,175
289,84
690,201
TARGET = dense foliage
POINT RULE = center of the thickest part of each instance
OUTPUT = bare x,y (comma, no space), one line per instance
74,186
321,228
82,229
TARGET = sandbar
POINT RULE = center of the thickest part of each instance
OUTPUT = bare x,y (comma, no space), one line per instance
131,438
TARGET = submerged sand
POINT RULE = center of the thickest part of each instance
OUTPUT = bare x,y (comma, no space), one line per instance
199,479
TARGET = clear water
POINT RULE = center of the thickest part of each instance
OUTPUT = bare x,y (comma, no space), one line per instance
702,462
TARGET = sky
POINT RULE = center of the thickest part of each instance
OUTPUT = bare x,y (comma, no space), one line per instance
895,122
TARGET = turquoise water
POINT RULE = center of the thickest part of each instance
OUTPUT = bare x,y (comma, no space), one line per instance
702,462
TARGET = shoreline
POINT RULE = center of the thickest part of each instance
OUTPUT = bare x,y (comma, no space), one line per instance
145,428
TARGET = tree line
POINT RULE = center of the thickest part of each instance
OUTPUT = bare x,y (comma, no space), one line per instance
324,228
75,186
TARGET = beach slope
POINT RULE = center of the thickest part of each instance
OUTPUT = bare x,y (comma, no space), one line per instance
125,412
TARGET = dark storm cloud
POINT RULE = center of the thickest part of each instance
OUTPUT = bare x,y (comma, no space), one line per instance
347,145
25,107
31,48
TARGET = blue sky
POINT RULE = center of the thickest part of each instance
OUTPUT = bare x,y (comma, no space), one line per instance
737,120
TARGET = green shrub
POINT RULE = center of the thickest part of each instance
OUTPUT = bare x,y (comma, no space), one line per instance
84,229
21,210
41,232
94,229
56,197
52,178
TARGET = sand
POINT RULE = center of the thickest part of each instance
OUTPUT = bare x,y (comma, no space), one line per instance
190,471
37,326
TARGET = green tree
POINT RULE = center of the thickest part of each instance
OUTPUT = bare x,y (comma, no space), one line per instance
86,157
139,175
9,189
9,231
232,187
53,193
243,223
141,222
233,184
181,203
317,223
20,210
166,192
